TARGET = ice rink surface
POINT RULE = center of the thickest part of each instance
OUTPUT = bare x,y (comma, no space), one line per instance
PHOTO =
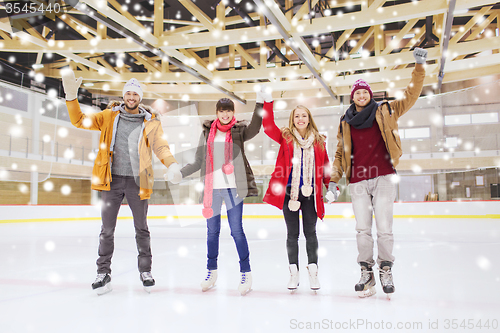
447,275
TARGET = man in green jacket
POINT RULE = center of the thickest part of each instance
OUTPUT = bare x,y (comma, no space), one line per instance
368,152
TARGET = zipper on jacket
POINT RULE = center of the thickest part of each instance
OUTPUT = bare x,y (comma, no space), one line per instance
343,145
385,141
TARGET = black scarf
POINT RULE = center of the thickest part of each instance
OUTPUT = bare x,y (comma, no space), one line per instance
362,119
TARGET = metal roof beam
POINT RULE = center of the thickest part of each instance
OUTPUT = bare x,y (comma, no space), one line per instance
138,40
270,10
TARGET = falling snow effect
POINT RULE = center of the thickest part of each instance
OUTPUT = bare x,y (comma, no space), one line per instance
49,263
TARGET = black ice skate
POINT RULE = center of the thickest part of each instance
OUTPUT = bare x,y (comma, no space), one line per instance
366,284
102,284
147,281
386,279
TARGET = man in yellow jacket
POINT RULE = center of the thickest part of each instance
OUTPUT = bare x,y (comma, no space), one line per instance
123,168
368,152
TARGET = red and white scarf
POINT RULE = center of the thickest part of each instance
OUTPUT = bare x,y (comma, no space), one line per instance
307,166
227,167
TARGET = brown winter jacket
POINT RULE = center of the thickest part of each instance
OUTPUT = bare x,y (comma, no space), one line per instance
241,131
387,117
106,121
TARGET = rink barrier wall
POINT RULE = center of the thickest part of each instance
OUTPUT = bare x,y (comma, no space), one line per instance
192,213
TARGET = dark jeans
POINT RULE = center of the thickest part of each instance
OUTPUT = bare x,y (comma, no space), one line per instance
309,218
120,187
234,208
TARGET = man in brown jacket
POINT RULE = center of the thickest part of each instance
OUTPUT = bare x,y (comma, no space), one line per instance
123,168
368,152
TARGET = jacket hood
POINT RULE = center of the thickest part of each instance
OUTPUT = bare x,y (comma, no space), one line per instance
149,111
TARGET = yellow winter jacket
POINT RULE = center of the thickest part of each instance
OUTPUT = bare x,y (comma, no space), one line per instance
152,139
387,116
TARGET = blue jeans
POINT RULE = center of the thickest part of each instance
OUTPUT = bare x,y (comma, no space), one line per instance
234,208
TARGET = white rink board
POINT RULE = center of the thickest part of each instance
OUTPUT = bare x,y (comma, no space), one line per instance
469,209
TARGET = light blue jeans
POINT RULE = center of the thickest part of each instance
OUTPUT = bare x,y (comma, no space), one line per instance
234,206
369,197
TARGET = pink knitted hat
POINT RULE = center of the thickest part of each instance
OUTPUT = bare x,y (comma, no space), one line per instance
361,84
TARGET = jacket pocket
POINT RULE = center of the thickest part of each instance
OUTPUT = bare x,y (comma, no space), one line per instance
397,139
101,172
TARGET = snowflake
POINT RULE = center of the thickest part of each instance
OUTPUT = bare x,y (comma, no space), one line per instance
23,188
62,132
416,168
198,187
182,251
48,186
96,180
69,153
322,252
50,246
54,278
66,190
277,189
262,234
483,263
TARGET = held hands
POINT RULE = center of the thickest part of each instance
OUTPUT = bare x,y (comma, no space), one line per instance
420,55
70,84
333,192
264,94
173,174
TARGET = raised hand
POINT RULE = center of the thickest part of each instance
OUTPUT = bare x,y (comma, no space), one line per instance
70,84
264,95
420,55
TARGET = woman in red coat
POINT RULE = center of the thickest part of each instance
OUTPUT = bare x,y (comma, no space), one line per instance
302,167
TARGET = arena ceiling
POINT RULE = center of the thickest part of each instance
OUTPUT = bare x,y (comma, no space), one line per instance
203,50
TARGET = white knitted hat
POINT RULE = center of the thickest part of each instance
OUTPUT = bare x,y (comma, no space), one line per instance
133,85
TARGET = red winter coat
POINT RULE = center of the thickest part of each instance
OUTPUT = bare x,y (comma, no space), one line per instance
275,194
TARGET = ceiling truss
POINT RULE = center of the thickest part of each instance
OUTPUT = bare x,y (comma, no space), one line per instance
208,53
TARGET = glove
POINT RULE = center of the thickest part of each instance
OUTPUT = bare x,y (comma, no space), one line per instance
264,95
420,55
174,174
333,192
70,84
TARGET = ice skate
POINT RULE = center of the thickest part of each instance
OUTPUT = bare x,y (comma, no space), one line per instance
102,284
294,278
386,279
313,276
147,281
366,285
210,280
245,284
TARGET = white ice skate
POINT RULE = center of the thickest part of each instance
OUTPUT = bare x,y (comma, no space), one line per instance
366,285
102,284
147,281
294,277
385,274
313,276
210,280
245,284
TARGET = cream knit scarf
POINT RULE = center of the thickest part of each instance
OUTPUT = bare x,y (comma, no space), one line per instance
306,164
